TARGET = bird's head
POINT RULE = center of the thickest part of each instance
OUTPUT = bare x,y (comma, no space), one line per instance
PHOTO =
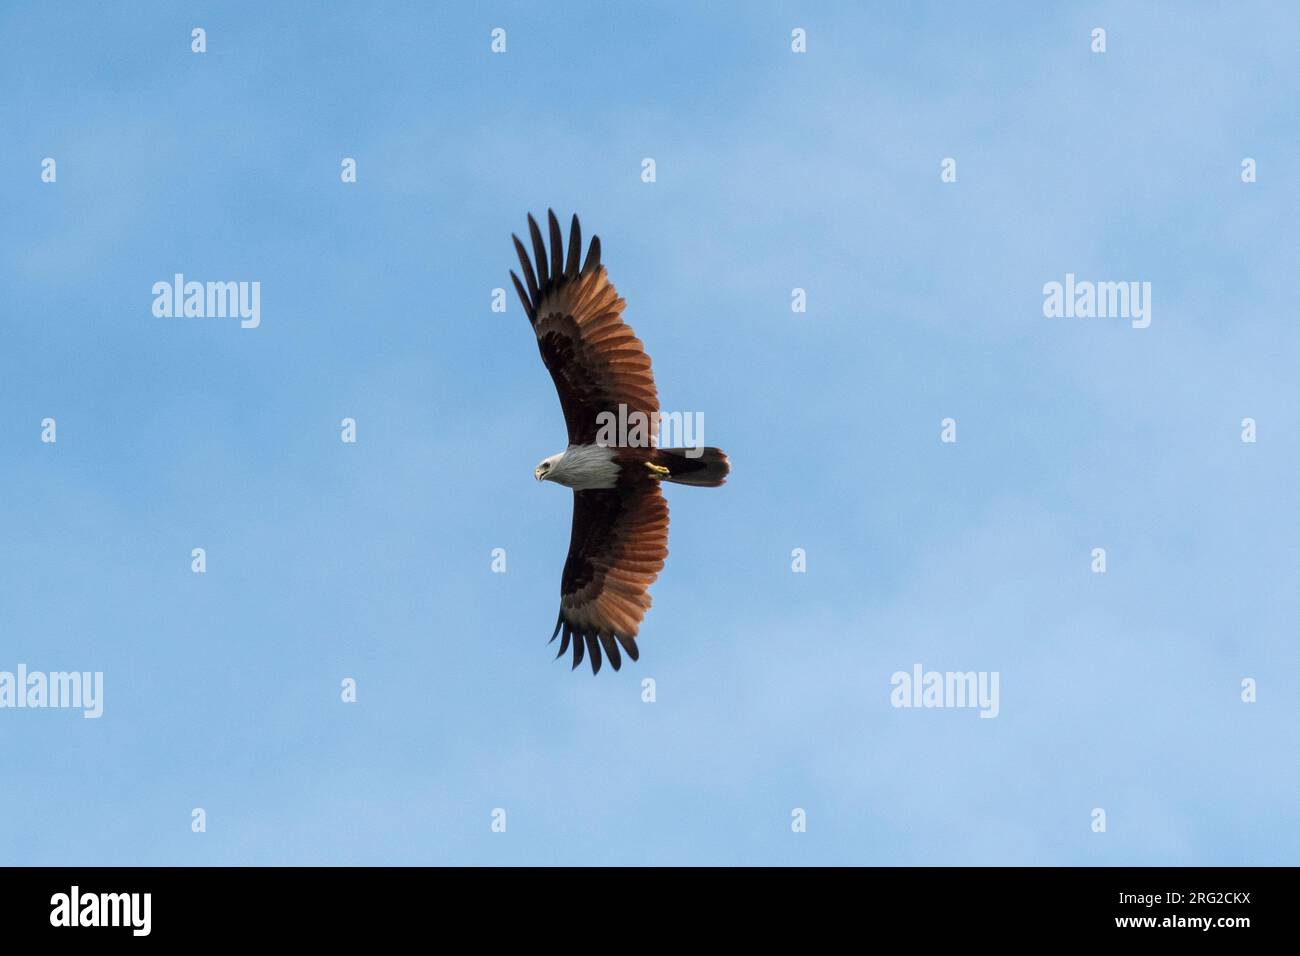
544,470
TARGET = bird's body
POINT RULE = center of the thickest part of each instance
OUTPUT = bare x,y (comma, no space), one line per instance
589,467
620,518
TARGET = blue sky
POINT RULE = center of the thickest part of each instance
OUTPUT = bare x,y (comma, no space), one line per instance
327,560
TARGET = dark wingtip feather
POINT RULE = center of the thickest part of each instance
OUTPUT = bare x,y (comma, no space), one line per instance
527,268
559,622
523,298
611,650
575,248
593,651
578,649
557,245
539,252
593,255
629,645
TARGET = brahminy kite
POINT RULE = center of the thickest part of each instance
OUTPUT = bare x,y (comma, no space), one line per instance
620,518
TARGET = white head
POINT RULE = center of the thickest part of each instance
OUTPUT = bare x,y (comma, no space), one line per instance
546,469
580,467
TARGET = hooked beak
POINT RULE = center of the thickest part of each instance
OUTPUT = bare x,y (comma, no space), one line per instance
537,473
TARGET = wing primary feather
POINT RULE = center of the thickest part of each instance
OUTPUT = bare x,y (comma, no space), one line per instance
564,643
557,245
578,649
527,268
593,651
575,249
593,256
629,645
611,650
539,252
559,622
523,296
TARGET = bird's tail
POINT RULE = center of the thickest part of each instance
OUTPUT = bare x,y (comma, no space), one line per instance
705,467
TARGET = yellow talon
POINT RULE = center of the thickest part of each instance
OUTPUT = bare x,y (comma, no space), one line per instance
657,472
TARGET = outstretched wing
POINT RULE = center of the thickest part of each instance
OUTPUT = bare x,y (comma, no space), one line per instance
618,546
593,356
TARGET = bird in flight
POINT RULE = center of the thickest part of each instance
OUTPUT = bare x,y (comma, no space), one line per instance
620,518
